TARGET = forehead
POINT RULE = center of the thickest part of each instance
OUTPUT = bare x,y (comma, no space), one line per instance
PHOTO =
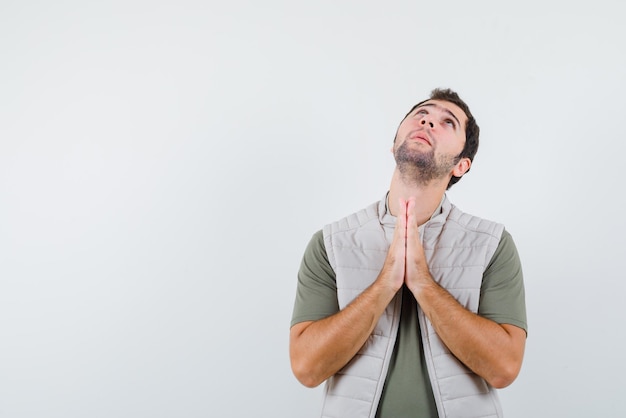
447,107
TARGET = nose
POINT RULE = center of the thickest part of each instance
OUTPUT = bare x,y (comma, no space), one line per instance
424,122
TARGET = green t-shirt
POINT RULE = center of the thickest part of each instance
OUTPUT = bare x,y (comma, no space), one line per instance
407,391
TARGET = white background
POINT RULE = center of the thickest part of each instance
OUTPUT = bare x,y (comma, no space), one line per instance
163,165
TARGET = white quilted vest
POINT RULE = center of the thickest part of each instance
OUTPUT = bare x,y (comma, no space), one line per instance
458,249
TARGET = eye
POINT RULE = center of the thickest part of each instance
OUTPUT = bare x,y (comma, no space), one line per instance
450,122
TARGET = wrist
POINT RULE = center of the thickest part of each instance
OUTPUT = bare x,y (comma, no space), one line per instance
386,287
423,283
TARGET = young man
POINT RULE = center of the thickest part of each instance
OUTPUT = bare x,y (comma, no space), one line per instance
410,307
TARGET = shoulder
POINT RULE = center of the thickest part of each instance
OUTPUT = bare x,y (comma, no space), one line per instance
316,247
354,220
473,223
506,253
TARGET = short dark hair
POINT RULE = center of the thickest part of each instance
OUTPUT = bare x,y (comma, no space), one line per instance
472,131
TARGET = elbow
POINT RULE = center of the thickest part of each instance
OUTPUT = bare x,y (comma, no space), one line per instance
305,374
500,382
505,377
305,365
308,382
507,364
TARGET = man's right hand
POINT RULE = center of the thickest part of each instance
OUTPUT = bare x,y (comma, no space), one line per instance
394,269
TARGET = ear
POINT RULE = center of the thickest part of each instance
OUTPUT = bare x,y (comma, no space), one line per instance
462,167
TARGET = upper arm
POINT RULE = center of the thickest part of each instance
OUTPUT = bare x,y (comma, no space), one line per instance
316,292
502,295
295,332
518,339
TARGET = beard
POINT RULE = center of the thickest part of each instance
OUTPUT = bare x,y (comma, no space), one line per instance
420,167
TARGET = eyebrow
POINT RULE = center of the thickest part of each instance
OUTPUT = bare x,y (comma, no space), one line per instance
442,108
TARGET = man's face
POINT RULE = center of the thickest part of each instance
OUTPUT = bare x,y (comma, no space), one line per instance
429,139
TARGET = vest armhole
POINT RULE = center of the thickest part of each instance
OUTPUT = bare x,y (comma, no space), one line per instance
328,246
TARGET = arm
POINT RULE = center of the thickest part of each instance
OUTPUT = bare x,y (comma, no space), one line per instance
493,351
319,349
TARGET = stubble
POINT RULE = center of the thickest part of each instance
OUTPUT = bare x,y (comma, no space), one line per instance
421,167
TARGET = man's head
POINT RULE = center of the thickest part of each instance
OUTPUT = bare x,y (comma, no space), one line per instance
436,138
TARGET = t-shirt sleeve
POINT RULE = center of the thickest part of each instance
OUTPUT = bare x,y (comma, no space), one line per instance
502,295
316,292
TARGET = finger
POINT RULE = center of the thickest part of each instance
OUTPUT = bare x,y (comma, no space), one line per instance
400,231
413,239
411,219
395,261
398,245
402,214
410,207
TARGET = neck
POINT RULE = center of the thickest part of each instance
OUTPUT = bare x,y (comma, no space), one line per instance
427,196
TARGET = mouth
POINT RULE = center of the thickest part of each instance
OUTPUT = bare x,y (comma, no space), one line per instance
420,136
